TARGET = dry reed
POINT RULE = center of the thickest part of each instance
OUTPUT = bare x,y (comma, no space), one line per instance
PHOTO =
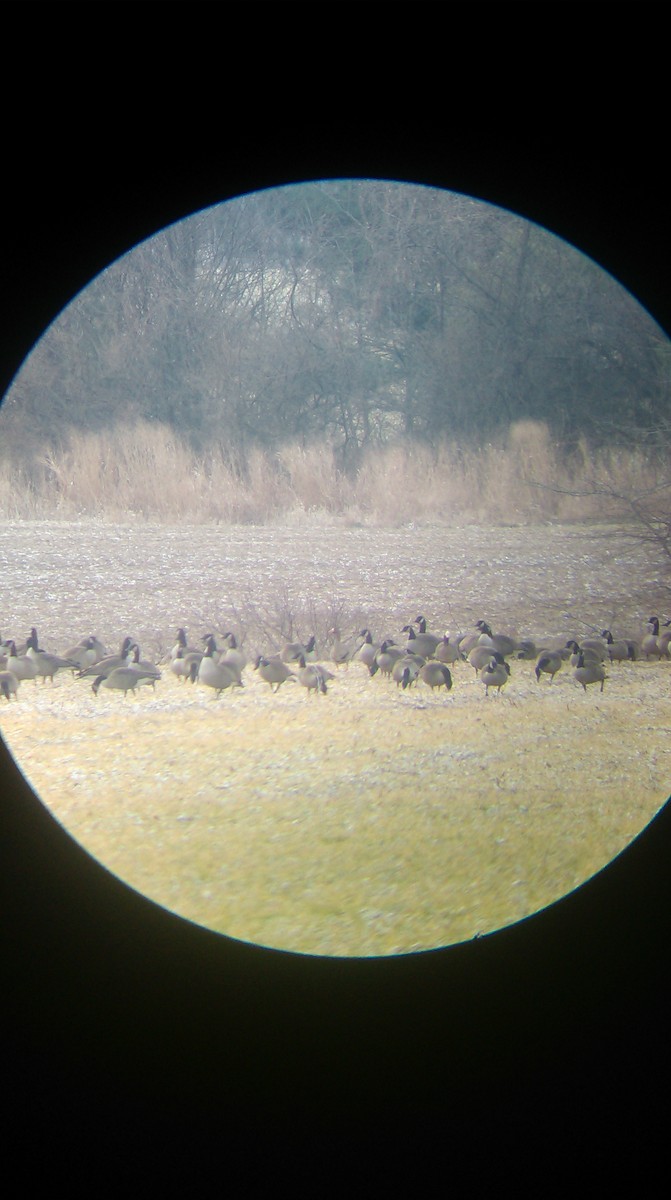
147,472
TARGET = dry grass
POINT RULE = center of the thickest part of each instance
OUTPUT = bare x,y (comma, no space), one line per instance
370,821
147,472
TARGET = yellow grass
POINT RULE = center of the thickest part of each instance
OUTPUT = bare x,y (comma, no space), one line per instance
370,821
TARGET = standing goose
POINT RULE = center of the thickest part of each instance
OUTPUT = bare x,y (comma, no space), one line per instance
448,652
424,644
495,674
367,651
654,645
436,674
218,676
618,651
589,671
589,653
233,655
9,685
342,652
47,664
86,653
181,664
505,645
274,671
22,666
429,638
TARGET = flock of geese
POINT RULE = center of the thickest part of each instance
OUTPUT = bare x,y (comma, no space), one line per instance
417,656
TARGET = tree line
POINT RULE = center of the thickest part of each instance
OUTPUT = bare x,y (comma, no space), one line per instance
357,312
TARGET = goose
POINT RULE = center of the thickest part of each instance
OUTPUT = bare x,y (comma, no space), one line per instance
481,655
428,637
181,664
652,646
505,645
589,671
424,644
22,666
9,685
182,645
405,670
385,658
292,651
106,665
87,652
620,651
548,663
274,671
233,655
313,677
436,674
343,651
47,664
218,676
589,654
448,652
527,650
120,679
367,651
148,671
495,674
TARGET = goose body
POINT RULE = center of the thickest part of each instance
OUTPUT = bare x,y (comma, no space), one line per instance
108,664
121,679
436,674
406,669
292,651
448,652
23,666
620,650
424,644
233,655
589,671
9,685
181,665
505,645
148,671
548,663
47,665
218,676
494,674
273,671
313,676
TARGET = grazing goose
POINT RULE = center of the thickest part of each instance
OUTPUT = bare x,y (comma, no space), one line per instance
313,677
505,645
47,664
495,674
589,671
120,679
22,666
527,650
436,674
548,663
106,665
218,676
292,651
9,685
274,671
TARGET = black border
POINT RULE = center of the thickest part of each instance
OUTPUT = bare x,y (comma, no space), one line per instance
122,1018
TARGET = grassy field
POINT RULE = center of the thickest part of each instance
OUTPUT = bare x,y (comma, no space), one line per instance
369,821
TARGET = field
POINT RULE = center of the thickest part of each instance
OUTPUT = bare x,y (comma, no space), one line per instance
372,820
